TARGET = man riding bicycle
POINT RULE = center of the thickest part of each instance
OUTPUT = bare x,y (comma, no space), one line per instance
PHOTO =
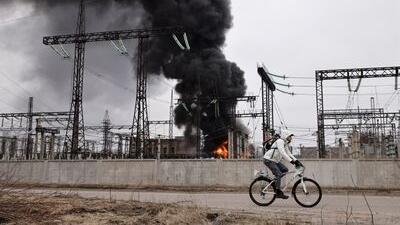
273,156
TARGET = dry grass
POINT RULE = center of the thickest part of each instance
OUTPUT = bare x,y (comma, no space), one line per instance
18,208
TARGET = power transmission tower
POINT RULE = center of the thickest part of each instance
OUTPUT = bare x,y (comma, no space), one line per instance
76,122
140,118
74,141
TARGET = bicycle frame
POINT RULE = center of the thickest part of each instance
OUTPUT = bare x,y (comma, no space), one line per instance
298,174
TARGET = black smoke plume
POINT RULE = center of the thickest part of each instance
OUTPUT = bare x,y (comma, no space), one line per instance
203,72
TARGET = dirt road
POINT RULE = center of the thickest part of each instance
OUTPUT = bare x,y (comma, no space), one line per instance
333,207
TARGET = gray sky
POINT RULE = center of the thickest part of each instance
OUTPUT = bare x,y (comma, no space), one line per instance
298,37
291,37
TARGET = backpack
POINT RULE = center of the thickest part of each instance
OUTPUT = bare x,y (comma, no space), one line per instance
268,144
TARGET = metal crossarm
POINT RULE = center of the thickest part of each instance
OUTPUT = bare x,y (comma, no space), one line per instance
361,115
221,99
246,115
357,73
110,35
350,126
34,114
159,122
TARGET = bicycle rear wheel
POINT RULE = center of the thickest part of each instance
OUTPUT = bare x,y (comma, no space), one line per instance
261,191
307,193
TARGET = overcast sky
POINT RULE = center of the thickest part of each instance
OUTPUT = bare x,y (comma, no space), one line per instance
291,37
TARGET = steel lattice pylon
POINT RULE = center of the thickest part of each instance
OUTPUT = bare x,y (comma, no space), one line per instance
267,88
267,110
76,122
107,139
171,117
320,115
140,118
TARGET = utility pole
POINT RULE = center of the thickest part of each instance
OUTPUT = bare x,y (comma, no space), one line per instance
159,147
119,151
29,138
42,144
171,116
52,143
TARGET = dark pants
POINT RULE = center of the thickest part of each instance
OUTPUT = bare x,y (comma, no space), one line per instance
278,169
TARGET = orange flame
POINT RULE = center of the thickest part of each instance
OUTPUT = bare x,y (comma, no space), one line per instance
221,151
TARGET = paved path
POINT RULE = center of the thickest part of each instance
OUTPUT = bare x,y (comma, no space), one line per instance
386,209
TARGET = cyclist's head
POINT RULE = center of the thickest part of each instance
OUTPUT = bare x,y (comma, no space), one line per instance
290,138
287,135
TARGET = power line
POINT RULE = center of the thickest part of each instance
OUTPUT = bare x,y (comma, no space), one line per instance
25,90
22,18
8,91
10,105
362,94
10,21
280,115
338,86
106,78
391,98
254,120
300,78
313,86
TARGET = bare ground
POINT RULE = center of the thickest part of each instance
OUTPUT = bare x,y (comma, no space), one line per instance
22,208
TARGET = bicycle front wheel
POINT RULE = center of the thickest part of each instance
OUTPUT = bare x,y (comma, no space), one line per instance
307,193
261,191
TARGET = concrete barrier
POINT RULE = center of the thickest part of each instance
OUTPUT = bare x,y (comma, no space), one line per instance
370,174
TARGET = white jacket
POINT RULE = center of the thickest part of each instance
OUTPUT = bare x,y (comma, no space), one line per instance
279,150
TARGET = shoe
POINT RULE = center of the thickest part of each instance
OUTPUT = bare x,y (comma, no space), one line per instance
280,194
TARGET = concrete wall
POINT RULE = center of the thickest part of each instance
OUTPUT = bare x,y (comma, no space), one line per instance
374,174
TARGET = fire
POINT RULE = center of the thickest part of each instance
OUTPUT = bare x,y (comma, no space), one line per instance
221,151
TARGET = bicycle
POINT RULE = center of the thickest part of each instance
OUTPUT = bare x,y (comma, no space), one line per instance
262,190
